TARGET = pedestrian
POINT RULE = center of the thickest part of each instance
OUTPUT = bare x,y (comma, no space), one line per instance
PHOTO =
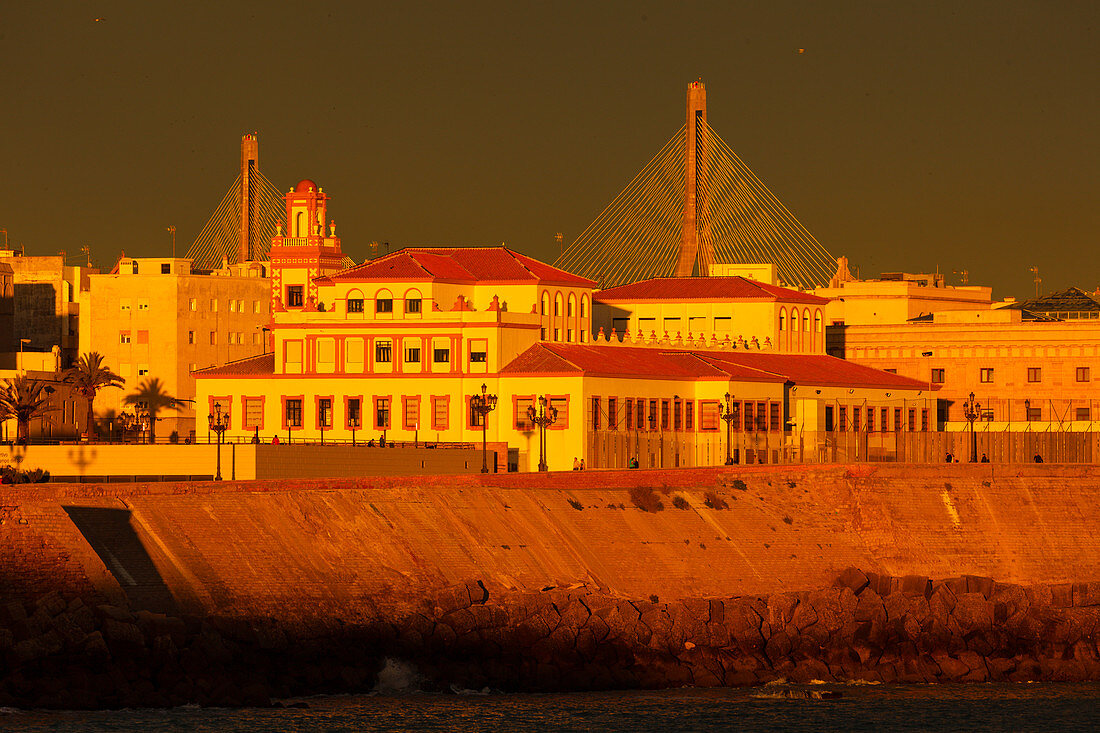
1038,458
274,439
576,464
985,458
950,458
582,464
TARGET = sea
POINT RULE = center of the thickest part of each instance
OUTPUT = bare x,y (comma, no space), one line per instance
776,707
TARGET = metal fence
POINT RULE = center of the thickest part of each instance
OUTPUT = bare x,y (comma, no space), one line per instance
616,448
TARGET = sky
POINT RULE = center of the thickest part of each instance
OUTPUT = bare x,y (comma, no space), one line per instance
908,136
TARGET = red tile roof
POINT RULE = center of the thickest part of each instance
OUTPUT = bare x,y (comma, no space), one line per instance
657,363
252,366
468,264
705,288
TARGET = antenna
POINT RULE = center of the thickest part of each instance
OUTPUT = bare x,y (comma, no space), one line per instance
1038,280
964,275
559,238
86,250
172,229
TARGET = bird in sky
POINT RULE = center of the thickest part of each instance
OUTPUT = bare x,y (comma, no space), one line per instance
99,20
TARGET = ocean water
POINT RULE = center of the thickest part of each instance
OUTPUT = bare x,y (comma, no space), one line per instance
997,707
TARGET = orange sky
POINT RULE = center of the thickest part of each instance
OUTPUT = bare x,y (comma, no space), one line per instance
962,135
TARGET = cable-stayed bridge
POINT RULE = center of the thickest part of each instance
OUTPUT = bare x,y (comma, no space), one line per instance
241,228
693,205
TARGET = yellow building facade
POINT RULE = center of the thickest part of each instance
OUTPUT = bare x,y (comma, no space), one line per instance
396,348
156,318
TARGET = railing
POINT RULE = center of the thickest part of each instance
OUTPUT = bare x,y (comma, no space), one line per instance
293,241
359,443
671,449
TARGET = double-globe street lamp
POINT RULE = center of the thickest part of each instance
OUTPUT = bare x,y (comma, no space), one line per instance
483,404
544,416
729,417
218,423
972,411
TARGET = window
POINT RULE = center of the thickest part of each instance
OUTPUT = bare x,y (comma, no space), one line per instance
924,419
294,296
870,419
382,413
665,415
412,354
855,419
143,370
629,414
938,376
165,268
561,404
213,338
843,418
232,306
190,337
124,304
890,371
708,416
474,419
912,420
1083,374
255,306
557,334
294,413
884,419
584,305
135,270
383,305
214,304
253,412
124,337
689,415
355,305
255,338
412,305
1034,414
383,351
1034,374
735,415
569,335
595,413
677,414
193,304
774,417
324,412
639,413
521,418
478,357
897,419
749,421
612,406
985,375
761,417
782,320
355,412
653,414
1084,414
412,413
441,356
439,413
829,425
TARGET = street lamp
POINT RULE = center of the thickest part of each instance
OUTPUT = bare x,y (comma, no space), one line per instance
543,417
483,404
218,423
21,342
972,411
728,417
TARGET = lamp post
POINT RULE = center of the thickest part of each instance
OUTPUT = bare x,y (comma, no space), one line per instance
543,417
483,404
218,423
728,417
972,411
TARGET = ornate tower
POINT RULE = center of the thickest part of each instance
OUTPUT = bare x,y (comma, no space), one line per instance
304,251
695,163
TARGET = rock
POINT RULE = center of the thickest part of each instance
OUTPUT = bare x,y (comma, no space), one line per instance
973,612
918,585
979,584
1086,594
853,579
52,603
115,613
123,633
1061,595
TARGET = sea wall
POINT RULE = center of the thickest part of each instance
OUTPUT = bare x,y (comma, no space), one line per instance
489,578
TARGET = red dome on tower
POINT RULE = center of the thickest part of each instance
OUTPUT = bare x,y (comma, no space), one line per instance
304,186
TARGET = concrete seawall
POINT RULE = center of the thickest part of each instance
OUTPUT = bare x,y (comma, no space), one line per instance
325,546
630,578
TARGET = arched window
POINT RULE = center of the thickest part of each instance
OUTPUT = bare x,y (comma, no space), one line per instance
817,321
571,305
300,224
544,306
557,304
584,306
782,318
383,303
806,320
413,303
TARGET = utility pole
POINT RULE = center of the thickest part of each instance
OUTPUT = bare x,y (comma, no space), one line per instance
1038,280
559,239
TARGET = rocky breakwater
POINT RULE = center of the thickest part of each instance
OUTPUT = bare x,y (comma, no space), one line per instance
866,627
68,653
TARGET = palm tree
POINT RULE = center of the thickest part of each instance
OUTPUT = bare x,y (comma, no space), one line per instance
88,376
24,399
149,399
